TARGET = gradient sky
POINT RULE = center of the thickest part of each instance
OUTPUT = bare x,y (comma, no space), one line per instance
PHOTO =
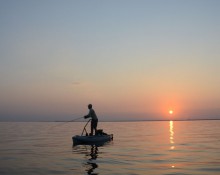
130,59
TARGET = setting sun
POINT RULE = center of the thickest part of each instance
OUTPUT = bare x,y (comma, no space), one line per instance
170,111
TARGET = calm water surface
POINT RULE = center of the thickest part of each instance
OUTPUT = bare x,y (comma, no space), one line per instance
138,148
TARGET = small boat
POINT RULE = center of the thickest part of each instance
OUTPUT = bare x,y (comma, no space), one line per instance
97,139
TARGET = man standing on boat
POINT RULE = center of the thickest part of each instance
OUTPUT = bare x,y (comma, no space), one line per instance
94,118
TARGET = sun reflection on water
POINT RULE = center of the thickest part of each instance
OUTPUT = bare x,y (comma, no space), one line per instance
172,135
172,147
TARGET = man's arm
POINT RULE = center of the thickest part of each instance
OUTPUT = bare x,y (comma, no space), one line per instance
87,116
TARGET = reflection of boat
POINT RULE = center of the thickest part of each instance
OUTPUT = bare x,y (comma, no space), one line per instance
92,165
97,139
91,153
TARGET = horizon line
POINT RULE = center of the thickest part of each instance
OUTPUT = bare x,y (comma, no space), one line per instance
146,120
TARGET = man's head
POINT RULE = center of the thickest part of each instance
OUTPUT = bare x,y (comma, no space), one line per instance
90,106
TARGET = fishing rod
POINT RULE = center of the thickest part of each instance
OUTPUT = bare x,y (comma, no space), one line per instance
66,122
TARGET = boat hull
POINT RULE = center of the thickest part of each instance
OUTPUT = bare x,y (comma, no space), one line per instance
91,140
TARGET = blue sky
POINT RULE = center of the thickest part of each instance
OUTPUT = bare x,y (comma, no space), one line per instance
131,59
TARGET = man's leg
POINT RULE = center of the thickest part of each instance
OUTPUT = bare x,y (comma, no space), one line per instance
95,127
91,128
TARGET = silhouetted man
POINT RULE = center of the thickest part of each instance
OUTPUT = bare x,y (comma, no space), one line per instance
94,118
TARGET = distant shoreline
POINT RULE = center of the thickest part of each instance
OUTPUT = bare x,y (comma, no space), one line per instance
119,120
147,120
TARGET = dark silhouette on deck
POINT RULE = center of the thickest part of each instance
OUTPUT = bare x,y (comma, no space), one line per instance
94,121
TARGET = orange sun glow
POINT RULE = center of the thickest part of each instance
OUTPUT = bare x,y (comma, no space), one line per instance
170,111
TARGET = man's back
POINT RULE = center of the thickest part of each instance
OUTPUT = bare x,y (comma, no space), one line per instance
92,114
